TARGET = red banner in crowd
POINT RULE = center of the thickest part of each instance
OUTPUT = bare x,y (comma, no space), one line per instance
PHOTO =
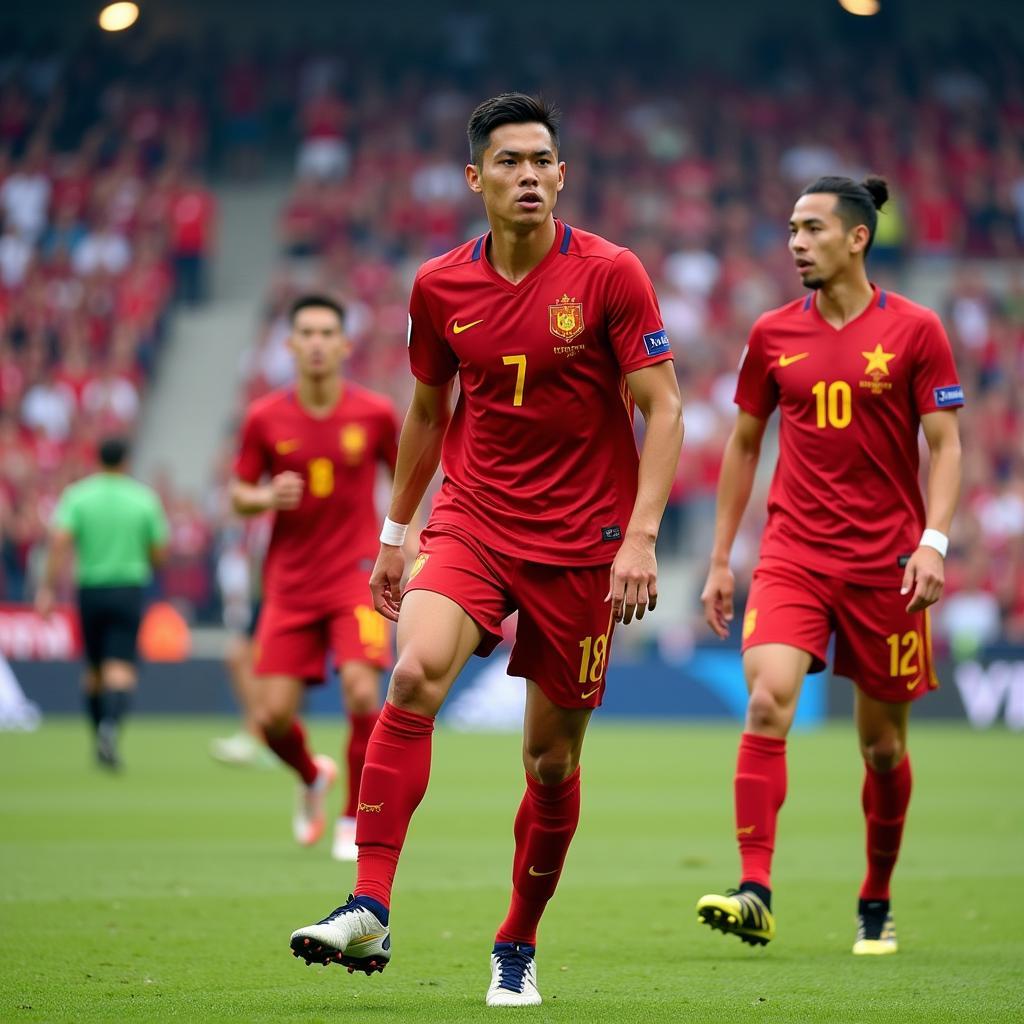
26,636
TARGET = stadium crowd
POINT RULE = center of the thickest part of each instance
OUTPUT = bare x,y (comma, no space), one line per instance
696,170
104,222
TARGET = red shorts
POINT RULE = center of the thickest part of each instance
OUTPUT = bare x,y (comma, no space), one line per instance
883,649
295,641
564,633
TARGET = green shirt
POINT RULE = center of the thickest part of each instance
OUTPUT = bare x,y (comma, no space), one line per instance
115,522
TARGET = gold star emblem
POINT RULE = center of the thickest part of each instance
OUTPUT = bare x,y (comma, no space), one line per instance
878,360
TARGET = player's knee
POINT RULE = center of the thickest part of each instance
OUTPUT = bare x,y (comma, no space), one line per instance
274,721
549,767
361,689
411,686
766,713
883,754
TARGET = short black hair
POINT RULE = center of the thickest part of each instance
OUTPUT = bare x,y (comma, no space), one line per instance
509,108
113,452
313,300
856,202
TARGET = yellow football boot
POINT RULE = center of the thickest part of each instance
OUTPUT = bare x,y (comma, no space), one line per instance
738,912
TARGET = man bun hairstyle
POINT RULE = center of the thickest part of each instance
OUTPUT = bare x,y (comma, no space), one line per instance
856,202
316,301
509,108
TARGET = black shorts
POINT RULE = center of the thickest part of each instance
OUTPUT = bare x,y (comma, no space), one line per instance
110,623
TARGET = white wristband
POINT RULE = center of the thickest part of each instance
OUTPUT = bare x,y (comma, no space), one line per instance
935,539
394,533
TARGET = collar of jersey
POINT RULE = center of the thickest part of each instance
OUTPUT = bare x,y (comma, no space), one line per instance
537,271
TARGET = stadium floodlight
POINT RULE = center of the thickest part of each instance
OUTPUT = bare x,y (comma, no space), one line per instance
117,17
861,7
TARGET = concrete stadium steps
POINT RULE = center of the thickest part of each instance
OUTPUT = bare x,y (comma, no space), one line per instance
196,384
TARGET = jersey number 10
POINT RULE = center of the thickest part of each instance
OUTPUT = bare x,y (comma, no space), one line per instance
833,404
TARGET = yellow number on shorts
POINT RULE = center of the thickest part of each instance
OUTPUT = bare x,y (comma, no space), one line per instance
321,477
592,659
373,629
519,362
905,665
834,404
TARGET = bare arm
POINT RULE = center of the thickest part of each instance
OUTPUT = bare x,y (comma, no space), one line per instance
282,493
634,573
925,572
419,453
57,558
419,448
735,482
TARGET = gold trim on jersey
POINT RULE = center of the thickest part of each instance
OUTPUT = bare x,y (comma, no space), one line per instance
933,679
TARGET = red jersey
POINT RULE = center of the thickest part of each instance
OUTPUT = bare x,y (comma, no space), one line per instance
845,499
540,459
333,532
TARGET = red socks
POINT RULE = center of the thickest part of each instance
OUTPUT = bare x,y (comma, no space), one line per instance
360,727
544,828
291,747
885,798
395,776
760,789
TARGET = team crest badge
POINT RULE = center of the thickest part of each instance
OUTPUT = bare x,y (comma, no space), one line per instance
877,368
565,318
421,560
353,442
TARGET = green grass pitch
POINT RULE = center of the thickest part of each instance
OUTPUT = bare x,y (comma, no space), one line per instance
168,893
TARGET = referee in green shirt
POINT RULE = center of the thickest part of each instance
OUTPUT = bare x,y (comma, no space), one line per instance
117,529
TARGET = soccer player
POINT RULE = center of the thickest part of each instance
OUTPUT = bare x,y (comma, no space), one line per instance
554,335
849,548
117,531
311,454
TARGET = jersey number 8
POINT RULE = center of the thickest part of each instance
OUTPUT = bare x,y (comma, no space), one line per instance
321,477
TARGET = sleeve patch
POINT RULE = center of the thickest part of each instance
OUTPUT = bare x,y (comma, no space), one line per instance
657,342
952,395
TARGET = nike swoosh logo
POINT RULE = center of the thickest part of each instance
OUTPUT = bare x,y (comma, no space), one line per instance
913,685
541,874
285,447
747,831
591,693
786,360
458,328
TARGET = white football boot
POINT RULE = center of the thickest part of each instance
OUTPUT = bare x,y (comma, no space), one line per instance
344,845
513,976
352,936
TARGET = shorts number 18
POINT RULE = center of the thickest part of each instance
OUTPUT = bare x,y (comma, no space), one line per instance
594,651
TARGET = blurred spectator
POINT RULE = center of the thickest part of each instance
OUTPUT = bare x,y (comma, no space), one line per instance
970,615
324,152
193,216
103,250
25,196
